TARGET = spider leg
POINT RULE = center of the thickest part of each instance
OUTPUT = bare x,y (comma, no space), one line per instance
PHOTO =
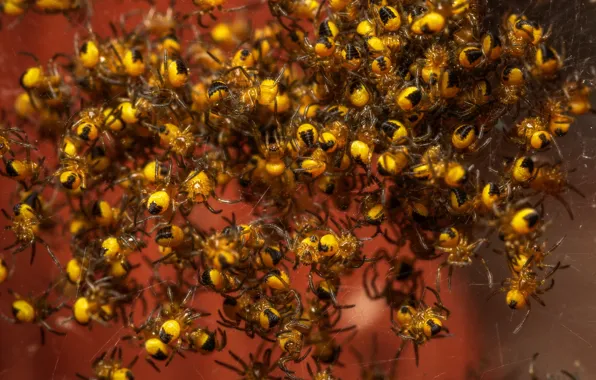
54,258
51,329
211,209
518,328
489,275
416,354
568,374
552,283
438,280
282,365
531,371
152,364
494,292
230,367
538,299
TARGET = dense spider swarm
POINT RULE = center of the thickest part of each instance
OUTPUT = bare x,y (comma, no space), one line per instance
384,107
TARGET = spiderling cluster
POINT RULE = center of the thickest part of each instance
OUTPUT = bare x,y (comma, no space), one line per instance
415,119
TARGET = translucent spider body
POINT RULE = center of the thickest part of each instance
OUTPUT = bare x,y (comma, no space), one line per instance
206,7
320,373
273,151
371,369
567,375
6,140
551,180
460,253
25,225
158,24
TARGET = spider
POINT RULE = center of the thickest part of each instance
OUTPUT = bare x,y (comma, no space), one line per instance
25,225
291,341
421,323
6,139
551,180
111,368
533,375
517,224
401,279
459,254
257,368
525,284
171,331
371,369
519,255
320,374
259,315
98,301
34,310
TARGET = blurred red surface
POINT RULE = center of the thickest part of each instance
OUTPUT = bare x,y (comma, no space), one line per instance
22,356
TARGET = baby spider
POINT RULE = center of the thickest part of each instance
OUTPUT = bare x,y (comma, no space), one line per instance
525,284
459,254
197,188
533,375
320,373
6,139
420,324
171,329
551,180
401,279
26,172
25,225
291,341
111,368
517,224
256,368
35,310
519,255
208,7
371,369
